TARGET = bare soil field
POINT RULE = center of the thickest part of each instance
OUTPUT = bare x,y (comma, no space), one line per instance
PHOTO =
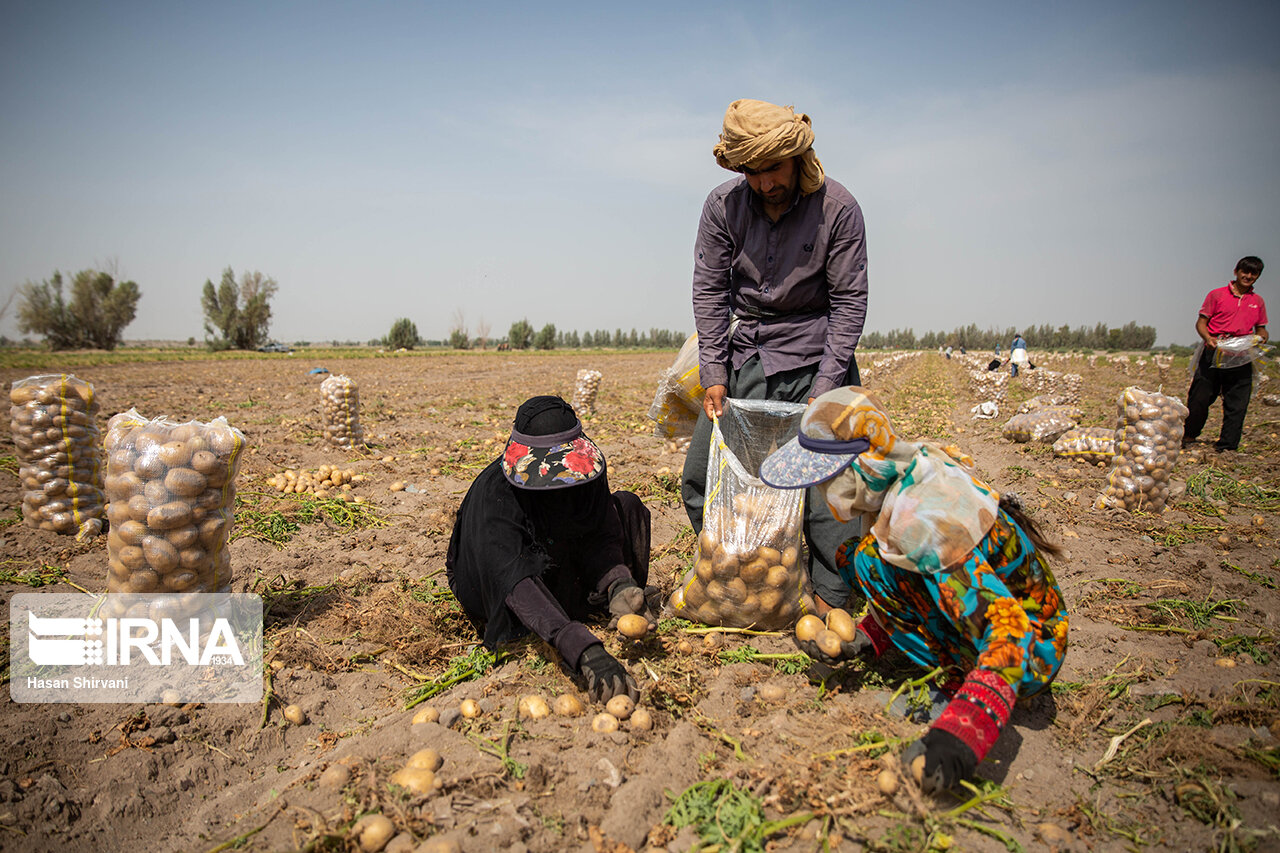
1159,734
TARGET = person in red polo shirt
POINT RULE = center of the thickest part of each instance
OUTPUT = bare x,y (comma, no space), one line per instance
1227,312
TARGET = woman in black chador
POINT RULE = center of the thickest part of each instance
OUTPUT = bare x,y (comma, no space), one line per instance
540,543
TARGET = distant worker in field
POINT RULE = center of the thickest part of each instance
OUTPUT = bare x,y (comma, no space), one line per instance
1231,311
540,543
1017,354
954,574
779,294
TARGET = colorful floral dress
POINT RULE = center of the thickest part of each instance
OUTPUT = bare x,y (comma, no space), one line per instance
1000,610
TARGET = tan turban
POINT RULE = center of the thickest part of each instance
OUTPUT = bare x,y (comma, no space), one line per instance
755,131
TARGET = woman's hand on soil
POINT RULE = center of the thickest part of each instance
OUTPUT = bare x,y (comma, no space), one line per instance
945,760
606,677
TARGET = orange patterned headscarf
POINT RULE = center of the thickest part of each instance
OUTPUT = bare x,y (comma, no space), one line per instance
929,509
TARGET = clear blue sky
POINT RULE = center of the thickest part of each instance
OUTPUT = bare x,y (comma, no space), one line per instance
1017,163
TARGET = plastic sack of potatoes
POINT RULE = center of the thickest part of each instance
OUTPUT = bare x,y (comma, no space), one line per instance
1233,352
55,434
1040,401
584,392
1148,439
678,399
1041,425
340,404
747,571
171,502
1092,444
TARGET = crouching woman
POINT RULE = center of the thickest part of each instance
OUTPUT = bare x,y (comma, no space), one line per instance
540,544
954,576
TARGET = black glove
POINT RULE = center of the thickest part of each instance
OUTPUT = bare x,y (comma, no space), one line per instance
947,760
859,646
605,677
625,597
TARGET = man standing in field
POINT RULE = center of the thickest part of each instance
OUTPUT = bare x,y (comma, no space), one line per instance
1231,311
779,296
1017,354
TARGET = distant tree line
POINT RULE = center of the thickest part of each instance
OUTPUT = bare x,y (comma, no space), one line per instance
1130,336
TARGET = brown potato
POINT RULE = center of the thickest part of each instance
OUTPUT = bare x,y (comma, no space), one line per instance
185,482
702,569
193,557
160,555
633,626
808,627
180,581
183,537
828,642
130,532
206,462
770,555
771,600
169,515
735,591
789,556
132,557
144,580
695,594
724,564
778,577
753,572
841,623
173,454
155,493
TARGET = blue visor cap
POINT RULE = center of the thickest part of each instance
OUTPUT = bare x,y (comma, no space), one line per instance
804,461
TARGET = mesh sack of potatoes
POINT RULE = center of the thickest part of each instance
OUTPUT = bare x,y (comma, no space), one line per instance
1040,401
585,389
1043,424
678,399
1092,444
340,403
989,384
1148,438
59,459
171,501
747,572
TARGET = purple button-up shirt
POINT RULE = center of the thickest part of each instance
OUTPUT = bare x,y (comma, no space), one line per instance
798,285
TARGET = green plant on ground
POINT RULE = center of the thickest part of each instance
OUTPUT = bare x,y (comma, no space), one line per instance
500,748
42,575
785,662
1213,484
275,518
726,817
1198,612
1251,646
461,669
1261,580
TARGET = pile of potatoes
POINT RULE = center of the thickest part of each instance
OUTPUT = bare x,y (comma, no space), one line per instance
171,493
60,462
1148,439
1044,424
340,404
1065,385
1092,444
989,384
584,392
748,573
321,482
